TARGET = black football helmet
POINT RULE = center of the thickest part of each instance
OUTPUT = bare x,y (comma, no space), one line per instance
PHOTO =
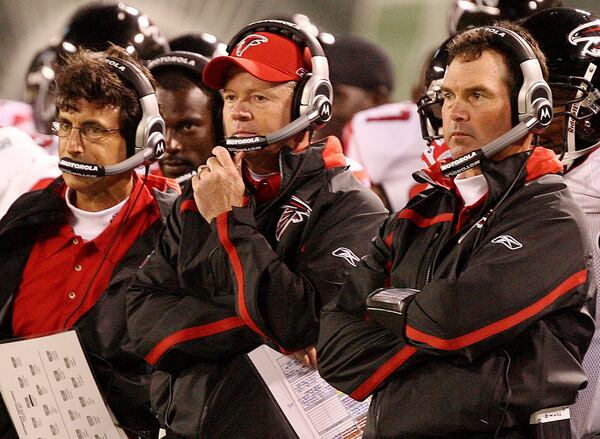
95,26
38,87
570,39
474,13
429,106
203,43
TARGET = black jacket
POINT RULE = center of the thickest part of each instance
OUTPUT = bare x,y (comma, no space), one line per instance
122,375
213,292
501,322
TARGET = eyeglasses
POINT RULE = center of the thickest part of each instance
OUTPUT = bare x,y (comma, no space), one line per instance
93,133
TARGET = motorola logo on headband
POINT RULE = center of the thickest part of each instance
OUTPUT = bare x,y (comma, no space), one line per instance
187,60
150,142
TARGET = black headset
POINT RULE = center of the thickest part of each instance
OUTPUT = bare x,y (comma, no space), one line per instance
311,104
150,133
193,62
533,100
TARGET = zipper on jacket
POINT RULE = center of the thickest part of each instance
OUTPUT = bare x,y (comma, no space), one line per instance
202,420
434,256
479,225
377,416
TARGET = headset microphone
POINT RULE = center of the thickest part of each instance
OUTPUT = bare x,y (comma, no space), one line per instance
146,156
150,142
322,112
473,158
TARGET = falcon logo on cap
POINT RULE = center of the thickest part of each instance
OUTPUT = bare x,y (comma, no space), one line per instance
249,41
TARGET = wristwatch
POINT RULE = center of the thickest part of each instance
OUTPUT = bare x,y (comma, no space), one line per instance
387,306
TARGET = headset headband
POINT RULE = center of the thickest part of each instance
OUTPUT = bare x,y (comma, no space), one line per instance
534,87
186,60
285,28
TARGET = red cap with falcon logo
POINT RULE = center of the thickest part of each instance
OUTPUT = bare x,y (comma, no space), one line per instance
267,56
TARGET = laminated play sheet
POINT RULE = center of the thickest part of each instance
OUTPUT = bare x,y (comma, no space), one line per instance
313,408
49,391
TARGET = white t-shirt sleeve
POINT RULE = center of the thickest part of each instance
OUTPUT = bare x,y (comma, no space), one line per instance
22,164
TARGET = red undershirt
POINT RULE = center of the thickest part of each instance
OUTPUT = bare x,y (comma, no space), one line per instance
65,276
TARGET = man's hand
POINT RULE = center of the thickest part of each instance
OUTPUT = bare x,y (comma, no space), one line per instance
307,356
218,186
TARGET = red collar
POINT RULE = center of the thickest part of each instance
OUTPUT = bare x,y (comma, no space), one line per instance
265,189
542,161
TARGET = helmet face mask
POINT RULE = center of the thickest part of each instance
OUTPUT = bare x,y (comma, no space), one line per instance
429,106
577,108
38,88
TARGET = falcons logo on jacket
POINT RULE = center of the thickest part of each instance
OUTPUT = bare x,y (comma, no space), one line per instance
249,41
295,211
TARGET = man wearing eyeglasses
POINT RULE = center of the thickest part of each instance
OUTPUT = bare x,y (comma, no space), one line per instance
66,251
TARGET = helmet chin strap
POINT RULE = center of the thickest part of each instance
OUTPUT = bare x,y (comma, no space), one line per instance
571,141
570,151
569,157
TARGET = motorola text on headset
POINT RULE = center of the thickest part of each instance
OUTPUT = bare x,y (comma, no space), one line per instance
150,133
313,94
534,102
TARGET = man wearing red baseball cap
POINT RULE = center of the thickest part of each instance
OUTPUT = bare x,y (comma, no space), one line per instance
254,248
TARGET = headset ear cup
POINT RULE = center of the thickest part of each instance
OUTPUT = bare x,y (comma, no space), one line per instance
297,98
514,106
154,138
156,142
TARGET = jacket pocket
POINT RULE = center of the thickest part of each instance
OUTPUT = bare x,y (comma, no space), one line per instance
180,401
444,399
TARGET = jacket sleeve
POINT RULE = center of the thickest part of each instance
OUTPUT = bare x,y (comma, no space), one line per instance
282,300
356,355
171,326
531,264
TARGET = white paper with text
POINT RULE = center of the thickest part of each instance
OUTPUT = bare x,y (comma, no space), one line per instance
314,408
49,390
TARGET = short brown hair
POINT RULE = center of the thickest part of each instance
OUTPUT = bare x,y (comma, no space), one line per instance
86,75
470,44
